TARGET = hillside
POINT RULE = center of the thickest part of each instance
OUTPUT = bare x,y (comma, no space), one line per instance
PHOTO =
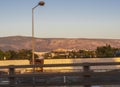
47,44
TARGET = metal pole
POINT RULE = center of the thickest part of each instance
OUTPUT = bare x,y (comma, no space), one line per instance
11,76
41,3
33,39
86,69
33,45
33,36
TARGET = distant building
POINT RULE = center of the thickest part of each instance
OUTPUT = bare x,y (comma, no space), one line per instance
60,52
40,54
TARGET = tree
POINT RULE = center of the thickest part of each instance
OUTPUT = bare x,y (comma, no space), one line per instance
7,54
24,54
105,51
12,55
1,55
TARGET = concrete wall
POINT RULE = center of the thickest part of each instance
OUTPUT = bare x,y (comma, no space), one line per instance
59,61
14,62
92,60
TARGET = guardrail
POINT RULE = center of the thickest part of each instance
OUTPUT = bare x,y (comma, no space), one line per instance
86,77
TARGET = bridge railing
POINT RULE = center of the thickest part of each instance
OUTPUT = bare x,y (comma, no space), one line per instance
86,77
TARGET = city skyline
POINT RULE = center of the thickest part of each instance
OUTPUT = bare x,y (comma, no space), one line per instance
61,18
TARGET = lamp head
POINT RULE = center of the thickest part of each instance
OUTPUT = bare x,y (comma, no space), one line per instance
41,3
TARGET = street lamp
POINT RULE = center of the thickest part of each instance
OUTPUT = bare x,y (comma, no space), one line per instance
41,3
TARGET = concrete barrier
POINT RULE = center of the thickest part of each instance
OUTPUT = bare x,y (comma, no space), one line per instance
81,60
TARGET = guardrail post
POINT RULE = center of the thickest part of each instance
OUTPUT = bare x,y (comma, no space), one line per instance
86,69
11,76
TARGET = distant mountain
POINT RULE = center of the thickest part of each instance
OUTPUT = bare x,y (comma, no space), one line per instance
47,44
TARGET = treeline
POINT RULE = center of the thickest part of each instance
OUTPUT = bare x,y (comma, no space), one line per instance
16,55
107,51
101,52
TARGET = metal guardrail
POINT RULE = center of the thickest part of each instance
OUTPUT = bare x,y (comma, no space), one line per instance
62,65
86,78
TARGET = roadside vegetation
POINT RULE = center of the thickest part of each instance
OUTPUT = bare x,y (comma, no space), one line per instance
16,55
100,52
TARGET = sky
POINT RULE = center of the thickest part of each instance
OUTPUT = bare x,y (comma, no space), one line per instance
61,18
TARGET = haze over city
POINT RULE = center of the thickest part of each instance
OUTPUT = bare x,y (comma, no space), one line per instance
61,18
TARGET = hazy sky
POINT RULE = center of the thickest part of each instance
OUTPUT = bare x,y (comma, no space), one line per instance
61,18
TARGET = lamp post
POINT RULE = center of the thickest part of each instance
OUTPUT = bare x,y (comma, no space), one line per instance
41,3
